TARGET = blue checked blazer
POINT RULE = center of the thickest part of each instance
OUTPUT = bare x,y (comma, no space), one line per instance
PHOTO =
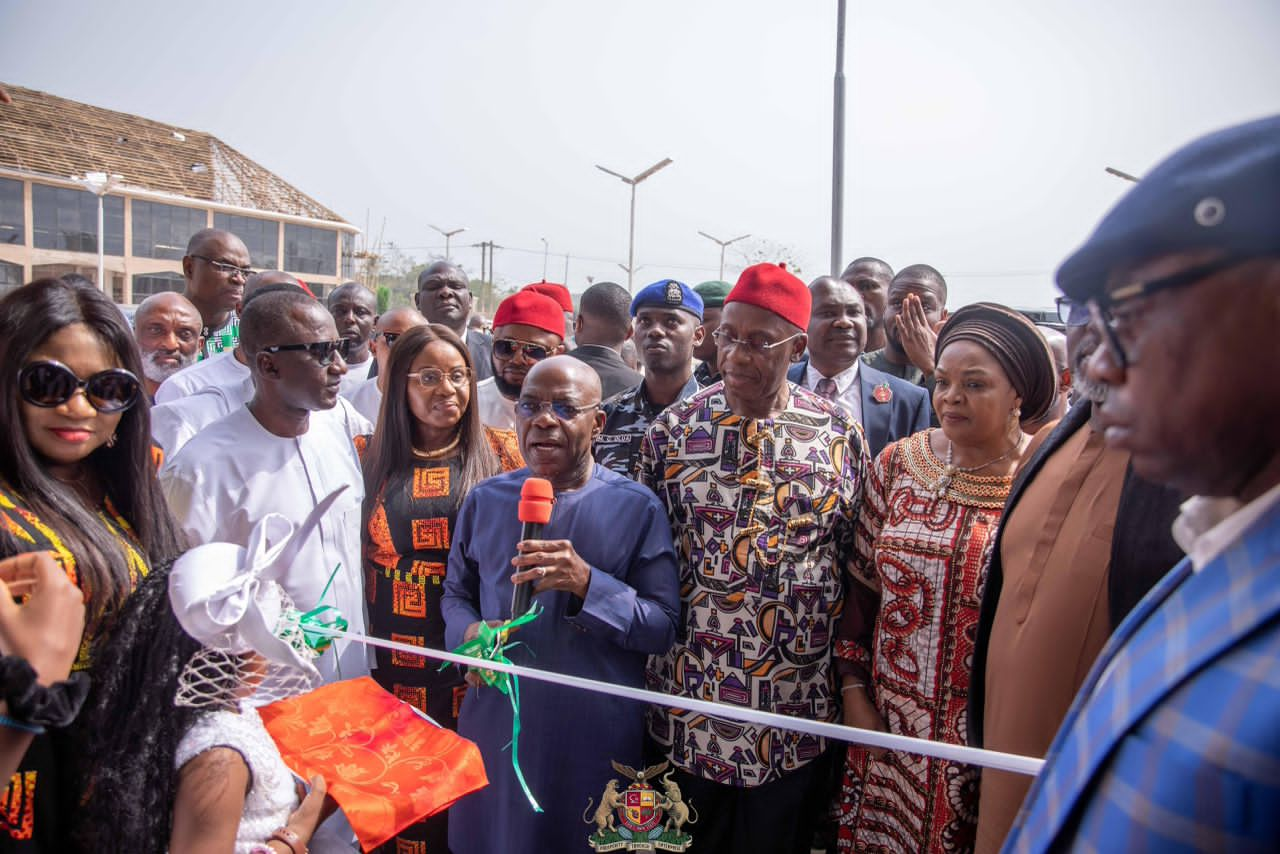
1173,743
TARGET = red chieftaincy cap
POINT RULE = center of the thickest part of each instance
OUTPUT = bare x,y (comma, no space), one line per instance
530,308
772,288
556,291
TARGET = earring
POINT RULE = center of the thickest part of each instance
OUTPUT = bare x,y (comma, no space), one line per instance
111,442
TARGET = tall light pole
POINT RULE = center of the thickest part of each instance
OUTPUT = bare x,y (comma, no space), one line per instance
723,244
447,236
100,183
837,149
631,242
546,248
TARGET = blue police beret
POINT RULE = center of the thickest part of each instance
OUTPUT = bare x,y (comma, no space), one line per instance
1220,191
668,293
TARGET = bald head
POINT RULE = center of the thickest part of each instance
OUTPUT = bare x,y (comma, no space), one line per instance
395,323
569,371
444,295
263,278
273,317
167,327
168,301
555,446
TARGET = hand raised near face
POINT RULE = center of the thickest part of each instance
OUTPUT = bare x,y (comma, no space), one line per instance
918,337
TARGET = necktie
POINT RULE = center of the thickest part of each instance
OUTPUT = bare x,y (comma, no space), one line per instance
827,388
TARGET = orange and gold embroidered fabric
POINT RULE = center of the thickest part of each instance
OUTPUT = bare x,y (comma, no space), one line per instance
384,765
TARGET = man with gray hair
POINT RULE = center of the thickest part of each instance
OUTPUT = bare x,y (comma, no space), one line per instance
167,327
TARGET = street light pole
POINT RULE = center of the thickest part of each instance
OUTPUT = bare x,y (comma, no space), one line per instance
1111,170
723,244
837,149
633,181
447,236
100,183
546,248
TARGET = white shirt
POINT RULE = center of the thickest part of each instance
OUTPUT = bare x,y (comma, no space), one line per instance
174,423
366,398
848,387
495,410
222,369
355,376
234,472
1207,526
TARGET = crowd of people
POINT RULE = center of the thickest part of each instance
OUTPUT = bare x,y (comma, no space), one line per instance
845,502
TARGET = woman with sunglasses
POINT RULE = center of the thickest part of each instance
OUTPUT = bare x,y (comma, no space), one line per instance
77,478
427,453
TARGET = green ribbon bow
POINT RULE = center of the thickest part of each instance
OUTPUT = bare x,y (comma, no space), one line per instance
490,644
324,617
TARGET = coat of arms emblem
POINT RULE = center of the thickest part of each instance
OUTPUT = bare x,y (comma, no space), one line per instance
882,393
640,817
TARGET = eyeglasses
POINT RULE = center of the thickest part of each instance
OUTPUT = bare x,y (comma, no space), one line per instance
224,268
506,348
755,343
390,337
322,351
1118,325
432,377
1072,313
50,384
527,408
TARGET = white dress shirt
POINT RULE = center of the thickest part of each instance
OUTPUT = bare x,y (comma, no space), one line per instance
495,410
222,369
848,388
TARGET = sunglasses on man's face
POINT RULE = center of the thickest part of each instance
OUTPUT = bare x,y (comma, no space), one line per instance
50,384
506,348
322,351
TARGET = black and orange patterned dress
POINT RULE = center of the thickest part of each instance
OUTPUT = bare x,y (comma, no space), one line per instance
410,530
30,817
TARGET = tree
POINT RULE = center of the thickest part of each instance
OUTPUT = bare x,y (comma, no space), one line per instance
761,250
384,298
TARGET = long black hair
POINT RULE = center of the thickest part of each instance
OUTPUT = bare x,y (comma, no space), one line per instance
125,472
391,450
128,732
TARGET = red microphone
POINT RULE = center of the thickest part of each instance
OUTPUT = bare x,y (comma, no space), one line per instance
536,498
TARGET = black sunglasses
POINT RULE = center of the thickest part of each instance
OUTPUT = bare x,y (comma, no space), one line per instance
506,348
323,351
390,337
50,384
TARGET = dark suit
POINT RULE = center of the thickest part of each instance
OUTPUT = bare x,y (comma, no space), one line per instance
905,412
1142,551
615,375
481,347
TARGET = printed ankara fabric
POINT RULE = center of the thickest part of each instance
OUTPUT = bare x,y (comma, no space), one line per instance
30,814
909,625
762,515
384,765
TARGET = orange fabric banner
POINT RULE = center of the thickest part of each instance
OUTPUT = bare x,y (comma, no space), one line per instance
385,765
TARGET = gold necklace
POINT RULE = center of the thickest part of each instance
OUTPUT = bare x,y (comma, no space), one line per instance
950,470
439,452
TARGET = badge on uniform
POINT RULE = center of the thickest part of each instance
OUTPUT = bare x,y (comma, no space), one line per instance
882,393
640,818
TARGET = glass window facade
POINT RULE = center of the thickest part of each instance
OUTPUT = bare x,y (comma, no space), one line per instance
310,250
147,284
261,237
12,222
10,277
162,231
68,219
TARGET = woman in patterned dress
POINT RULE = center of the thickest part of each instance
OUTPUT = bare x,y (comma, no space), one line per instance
77,479
929,514
427,452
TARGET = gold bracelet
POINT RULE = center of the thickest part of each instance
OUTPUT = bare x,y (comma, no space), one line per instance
290,838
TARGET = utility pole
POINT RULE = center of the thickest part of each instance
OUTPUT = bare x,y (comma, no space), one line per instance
837,149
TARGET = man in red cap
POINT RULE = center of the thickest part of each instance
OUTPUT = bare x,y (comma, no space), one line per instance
527,328
762,480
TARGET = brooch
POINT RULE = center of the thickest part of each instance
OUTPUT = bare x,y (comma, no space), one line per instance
882,393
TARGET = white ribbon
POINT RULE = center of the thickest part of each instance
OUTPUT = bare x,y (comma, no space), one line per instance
854,735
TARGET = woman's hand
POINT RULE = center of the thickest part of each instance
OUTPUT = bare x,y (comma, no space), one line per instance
860,711
47,628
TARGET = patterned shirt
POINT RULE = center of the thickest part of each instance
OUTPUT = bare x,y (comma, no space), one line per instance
763,515
626,416
706,374
222,340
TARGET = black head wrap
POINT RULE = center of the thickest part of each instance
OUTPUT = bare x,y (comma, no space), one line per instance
1015,343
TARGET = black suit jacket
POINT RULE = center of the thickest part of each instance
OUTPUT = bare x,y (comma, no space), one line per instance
906,411
1142,550
615,375
481,346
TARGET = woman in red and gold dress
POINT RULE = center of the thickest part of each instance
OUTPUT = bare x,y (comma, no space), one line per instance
428,450
929,514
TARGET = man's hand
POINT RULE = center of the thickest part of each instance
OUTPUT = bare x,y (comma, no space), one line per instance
861,712
46,629
917,337
472,677
551,565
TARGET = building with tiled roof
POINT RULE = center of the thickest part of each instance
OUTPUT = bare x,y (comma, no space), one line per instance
167,183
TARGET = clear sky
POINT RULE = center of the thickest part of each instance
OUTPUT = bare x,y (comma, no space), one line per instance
976,138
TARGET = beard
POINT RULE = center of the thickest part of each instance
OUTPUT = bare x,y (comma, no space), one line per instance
159,373
510,391
1082,387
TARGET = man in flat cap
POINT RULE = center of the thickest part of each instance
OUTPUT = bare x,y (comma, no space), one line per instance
762,482
667,317
1173,743
713,294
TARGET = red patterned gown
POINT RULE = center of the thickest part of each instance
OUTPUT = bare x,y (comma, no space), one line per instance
908,632
410,530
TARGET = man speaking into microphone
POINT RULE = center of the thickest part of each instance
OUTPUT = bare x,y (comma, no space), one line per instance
604,573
